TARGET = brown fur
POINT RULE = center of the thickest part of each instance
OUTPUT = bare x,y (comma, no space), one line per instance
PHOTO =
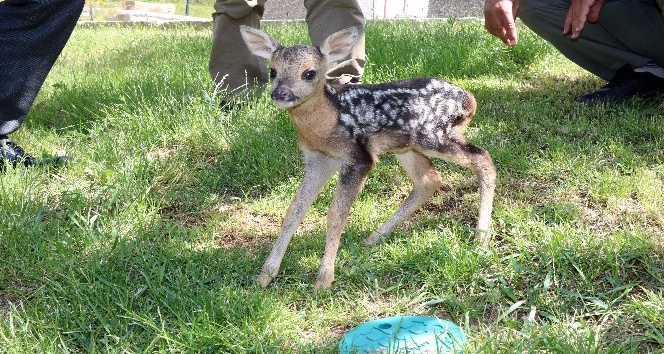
340,131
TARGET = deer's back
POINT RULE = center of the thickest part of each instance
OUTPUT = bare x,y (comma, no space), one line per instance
416,106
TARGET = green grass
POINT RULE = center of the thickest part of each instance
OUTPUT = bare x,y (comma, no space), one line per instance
151,239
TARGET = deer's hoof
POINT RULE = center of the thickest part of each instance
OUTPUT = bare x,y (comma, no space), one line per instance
264,279
373,239
483,237
323,282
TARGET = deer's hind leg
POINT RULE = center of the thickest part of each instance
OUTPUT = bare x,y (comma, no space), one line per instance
479,161
426,181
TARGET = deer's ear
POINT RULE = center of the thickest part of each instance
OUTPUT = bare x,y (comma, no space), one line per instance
339,45
259,43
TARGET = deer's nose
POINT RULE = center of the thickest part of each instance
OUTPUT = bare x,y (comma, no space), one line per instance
282,94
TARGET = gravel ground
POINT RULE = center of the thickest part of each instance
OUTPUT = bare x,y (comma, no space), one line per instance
294,10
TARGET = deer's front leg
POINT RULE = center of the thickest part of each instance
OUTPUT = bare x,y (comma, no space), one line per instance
351,180
319,168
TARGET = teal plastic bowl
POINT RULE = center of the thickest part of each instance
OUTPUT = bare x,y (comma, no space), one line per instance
404,334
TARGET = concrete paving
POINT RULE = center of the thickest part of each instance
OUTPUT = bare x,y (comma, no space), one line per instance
294,10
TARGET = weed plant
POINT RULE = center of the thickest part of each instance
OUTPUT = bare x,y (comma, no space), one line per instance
151,239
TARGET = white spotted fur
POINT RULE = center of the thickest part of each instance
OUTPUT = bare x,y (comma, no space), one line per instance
343,129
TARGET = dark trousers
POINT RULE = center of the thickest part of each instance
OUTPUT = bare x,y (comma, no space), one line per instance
628,32
32,35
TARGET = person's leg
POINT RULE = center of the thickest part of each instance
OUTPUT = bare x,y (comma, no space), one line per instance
627,39
638,25
32,35
233,68
604,46
325,17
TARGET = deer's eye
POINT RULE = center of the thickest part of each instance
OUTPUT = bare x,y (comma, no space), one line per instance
273,73
309,75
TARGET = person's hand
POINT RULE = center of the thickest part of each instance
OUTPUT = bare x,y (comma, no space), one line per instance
579,12
499,18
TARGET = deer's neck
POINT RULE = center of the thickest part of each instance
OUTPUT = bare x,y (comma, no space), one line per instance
316,120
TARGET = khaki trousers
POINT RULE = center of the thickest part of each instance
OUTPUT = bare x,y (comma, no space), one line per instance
628,32
239,73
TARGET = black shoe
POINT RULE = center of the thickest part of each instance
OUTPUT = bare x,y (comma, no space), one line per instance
14,155
625,84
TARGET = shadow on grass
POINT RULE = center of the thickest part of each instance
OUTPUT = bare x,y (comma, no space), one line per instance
453,50
139,65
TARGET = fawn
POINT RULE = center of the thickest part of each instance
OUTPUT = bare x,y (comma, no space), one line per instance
345,128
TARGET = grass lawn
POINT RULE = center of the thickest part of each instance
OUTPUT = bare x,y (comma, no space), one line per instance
151,239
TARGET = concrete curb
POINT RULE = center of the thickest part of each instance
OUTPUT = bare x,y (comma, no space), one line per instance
200,24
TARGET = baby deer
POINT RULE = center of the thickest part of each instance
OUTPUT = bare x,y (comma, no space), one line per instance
345,128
